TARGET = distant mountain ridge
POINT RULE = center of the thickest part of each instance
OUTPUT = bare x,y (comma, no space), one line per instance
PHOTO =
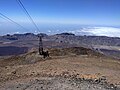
66,38
110,46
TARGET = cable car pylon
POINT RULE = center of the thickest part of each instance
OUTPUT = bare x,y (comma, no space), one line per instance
41,51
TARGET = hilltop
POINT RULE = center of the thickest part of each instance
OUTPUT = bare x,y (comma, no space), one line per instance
73,67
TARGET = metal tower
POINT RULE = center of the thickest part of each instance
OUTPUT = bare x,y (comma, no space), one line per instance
40,45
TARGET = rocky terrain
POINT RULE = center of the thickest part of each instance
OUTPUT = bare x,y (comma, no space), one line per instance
57,83
74,68
110,46
75,62
65,37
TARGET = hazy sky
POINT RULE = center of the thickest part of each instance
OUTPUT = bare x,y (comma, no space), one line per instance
98,12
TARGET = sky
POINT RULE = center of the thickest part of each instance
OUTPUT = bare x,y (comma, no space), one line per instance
85,12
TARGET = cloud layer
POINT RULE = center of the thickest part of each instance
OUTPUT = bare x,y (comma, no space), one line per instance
98,31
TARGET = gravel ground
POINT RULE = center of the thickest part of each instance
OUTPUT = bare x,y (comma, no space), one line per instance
70,72
58,83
